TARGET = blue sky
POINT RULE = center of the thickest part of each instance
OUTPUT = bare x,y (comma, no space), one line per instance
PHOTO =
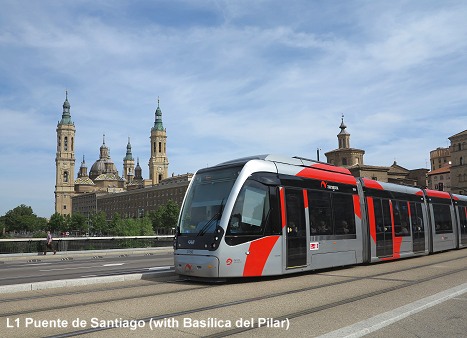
235,78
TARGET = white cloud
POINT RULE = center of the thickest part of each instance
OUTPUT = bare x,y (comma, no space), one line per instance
234,79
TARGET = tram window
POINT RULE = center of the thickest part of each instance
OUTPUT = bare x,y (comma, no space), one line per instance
382,216
319,208
416,217
331,213
463,223
251,210
442,216
344,215
296,226
401,218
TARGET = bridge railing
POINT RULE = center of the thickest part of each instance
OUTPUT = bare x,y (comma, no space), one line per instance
38,245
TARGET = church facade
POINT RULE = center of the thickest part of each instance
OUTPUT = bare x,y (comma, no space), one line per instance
103,177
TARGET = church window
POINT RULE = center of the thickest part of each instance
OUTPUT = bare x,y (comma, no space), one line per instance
160,147
65,176
154,147
461,161
72,141
65,143
344,161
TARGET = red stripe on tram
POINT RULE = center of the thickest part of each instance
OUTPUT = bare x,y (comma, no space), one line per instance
258,255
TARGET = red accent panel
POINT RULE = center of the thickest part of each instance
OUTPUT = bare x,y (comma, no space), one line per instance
372,184
396,247
356,206
439,194
259,253
282,198
327,176
331,168
305,199
371,217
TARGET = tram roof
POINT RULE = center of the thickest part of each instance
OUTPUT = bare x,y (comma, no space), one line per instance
297,161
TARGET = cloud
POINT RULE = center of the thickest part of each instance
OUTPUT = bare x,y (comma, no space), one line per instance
233,78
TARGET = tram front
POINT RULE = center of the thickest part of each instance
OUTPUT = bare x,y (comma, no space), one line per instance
199,230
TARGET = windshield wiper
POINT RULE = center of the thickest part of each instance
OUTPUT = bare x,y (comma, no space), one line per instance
216,216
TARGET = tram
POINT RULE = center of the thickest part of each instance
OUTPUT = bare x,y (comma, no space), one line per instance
272,215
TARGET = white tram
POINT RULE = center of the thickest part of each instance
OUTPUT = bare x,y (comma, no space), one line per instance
272,215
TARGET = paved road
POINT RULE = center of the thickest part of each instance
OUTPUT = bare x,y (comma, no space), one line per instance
31,269
420,297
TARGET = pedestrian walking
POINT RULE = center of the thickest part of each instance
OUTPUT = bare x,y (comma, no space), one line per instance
49,244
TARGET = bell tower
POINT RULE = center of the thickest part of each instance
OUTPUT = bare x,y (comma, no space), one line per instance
158,163
65,161
128,165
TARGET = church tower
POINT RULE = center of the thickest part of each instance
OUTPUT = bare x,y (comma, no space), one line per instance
128,165
344,155
158,163
65,161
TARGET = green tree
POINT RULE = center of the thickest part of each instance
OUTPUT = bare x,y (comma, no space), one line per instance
99,223
57,223
170,215
166,216
145,228
115,225
22,218
2,226
79,222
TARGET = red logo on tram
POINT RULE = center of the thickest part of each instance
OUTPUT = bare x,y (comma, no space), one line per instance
188,267
228,261
324,184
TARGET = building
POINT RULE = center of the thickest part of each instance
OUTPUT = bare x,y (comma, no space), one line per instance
344,156
133,203
352,159
103,181
439,158
440,179
458,151
65,161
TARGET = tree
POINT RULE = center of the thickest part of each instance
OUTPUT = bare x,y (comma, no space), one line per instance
170,215
99,223
22,218
166,216
79,222
57,222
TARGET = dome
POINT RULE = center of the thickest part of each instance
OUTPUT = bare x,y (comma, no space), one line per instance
102,166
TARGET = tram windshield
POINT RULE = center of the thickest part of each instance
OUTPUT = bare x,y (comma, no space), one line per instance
206,199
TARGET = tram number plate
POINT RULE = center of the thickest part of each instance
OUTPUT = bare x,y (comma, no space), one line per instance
314,246
190,252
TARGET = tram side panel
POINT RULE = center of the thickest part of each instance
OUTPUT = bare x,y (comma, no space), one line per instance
460,210
442,221
396,217
332,215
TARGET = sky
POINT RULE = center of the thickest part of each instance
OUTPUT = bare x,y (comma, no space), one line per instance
234,78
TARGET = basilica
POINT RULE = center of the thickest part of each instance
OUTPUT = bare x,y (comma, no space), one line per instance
103,176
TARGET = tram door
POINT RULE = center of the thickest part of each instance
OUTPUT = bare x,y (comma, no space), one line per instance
384,243
418,228
296,240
